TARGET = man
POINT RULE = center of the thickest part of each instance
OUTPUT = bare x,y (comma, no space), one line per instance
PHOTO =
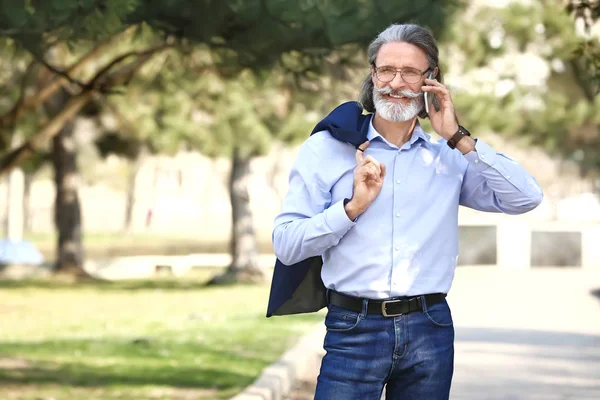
384,219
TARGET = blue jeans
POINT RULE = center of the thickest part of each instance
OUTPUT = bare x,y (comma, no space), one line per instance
412,354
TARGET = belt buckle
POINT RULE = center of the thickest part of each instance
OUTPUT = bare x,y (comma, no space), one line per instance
384,309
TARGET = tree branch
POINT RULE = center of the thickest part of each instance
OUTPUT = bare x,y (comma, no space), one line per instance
24,83
145,55
58,72
4,140
102,79
38,98
123,122
47,132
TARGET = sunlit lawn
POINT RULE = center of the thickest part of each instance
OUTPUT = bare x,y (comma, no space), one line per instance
160,339
109,244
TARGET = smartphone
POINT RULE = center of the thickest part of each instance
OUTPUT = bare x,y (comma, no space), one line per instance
426,94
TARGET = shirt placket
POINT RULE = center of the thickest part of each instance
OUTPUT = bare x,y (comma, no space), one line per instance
403,160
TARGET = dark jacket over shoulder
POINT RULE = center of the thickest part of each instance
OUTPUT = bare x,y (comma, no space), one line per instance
298,288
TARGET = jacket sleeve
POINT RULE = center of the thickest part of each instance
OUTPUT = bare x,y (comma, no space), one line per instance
308,223
497,183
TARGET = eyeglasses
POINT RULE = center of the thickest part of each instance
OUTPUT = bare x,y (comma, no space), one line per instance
409,75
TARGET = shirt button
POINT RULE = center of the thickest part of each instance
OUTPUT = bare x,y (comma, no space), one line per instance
398,181
476,161
482,156
508,177
396,248
397,215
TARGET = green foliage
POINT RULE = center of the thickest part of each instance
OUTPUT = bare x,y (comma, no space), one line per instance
245,33
16,73
37,23
235,122
188,104
115,143
236,39
553,101
235,58
34,163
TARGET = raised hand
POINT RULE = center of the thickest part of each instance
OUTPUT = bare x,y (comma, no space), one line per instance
368,181
443,121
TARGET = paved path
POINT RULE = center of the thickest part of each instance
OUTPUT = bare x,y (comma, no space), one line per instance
528,335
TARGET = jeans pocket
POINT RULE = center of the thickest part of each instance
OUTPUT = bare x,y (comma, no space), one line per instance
439,314
341,320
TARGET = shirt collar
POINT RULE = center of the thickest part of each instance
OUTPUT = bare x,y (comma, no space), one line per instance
420,134
417,135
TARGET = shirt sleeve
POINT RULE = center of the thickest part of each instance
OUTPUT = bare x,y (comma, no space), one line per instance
497,183
308,223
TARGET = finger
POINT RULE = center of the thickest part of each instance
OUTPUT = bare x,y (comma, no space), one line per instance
366,173
375,167
433,85
383,170
370,160
433,82
441,90
441,93
373,177
374,172
360,152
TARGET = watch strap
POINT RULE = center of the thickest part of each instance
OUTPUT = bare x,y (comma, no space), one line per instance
460,133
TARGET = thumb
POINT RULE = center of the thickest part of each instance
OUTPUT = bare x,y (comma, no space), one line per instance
382,174
360,155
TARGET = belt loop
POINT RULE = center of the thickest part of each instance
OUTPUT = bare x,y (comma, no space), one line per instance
423,304
327,290
365,307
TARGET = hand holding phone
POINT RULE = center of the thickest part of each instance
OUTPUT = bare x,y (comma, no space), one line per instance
426,94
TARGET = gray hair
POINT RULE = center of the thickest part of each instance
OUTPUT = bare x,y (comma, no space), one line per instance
408,33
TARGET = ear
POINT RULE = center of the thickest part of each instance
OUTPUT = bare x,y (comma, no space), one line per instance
373,77
436,71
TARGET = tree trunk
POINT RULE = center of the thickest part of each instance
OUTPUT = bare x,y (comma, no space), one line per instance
243,249
6,207
27,221
132,173
15,190
67,210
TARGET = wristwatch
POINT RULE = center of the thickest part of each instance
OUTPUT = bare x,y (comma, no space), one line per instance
460,133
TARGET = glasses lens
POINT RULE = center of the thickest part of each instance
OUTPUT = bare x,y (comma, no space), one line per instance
385,74
411,75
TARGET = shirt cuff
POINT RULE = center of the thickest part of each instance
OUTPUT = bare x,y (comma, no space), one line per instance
483,157
337,220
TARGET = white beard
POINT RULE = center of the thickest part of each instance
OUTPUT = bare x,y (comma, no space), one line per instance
397,112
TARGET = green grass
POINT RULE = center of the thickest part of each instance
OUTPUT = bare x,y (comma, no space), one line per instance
160,339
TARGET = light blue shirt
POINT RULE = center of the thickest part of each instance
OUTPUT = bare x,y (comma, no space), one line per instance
406,242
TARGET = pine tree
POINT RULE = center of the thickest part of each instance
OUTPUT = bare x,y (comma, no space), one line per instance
240,36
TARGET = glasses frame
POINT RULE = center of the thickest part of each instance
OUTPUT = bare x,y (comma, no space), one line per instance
396,70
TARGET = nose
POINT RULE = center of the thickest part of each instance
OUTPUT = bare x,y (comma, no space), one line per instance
397,83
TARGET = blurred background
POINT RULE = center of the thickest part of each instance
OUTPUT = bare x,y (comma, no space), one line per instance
145,148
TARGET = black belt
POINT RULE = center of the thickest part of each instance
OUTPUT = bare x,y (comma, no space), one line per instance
388,308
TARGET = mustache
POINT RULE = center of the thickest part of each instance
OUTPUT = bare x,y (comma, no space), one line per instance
405,93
